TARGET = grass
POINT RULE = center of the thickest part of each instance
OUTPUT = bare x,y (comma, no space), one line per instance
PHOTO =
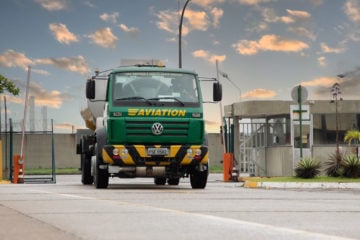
296,179
48,171
216,169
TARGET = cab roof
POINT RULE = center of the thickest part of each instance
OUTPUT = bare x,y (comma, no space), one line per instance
151,68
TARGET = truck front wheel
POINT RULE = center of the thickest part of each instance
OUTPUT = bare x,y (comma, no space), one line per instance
86,177
198,179
101,176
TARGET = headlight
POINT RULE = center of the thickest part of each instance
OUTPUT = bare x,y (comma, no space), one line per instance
116,152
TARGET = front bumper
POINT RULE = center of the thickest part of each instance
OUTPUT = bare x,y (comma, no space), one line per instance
138,155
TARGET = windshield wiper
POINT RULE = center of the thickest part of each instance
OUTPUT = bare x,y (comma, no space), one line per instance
134,98
174,98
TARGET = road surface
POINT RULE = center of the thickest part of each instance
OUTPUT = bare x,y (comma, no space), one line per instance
137,209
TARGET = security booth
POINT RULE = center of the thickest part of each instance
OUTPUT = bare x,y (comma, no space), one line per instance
269,139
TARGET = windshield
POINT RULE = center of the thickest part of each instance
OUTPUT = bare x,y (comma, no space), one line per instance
154,88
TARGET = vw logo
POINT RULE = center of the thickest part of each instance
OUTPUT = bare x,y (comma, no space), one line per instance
157,128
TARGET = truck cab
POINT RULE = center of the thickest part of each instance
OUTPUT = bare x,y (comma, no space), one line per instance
151,126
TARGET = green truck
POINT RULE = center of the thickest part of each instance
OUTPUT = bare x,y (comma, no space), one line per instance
145,121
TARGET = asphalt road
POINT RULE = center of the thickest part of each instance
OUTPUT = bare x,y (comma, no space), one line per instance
137,209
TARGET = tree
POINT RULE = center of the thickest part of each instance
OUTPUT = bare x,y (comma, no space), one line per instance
353,136
7,85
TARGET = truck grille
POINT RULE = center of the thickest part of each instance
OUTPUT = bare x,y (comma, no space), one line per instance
144,128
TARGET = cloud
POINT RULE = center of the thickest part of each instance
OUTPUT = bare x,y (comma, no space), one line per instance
295,19
43,97
193,20
326,82
132,30
317,2
326,49
269,15
287,19
217,13
14,99
207,3
53,5
352,10
104,38
302,31
167,21
40,71
62,33
107,17
269,43
206,55
294,16
74,64
197,20
259,93
349,85
12,58
299,14
322,61
253,2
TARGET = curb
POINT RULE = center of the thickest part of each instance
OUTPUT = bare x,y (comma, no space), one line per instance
4,182
301,185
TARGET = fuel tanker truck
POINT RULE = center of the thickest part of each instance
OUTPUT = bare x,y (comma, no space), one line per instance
145,121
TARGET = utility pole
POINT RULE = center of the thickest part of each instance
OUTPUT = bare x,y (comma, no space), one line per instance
180,32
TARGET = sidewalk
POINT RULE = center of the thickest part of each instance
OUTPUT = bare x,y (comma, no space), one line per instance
4,181
252,182
301,185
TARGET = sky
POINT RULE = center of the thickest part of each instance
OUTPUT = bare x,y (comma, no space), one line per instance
265,47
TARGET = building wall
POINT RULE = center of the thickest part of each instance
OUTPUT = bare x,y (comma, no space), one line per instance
38,150
279,161
37,153
323,153
215,149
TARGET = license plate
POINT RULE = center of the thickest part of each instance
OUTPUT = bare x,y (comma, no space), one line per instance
157,151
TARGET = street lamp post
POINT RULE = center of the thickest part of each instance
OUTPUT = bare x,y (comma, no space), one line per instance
336,95
180,31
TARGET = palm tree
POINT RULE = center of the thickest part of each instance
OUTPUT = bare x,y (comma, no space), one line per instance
353,136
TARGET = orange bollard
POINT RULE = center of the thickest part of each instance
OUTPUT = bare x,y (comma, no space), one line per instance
16,169
18,176
228,165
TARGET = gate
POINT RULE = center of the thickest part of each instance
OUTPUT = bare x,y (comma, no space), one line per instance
39,154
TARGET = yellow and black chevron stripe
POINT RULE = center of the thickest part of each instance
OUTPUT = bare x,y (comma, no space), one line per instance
136,155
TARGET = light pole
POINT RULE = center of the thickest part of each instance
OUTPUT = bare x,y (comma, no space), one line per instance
336,95
180,31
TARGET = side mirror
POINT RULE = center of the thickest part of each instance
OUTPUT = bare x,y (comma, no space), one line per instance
90,89
217,91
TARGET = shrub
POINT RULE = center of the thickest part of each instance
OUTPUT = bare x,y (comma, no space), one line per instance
334,165
307,168
351,166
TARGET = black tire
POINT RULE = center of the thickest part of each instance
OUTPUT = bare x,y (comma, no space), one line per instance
86,177
101,176
198,179
160,181
173,181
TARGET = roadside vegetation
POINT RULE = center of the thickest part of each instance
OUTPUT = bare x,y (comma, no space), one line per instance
297,179
308,168
48,171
